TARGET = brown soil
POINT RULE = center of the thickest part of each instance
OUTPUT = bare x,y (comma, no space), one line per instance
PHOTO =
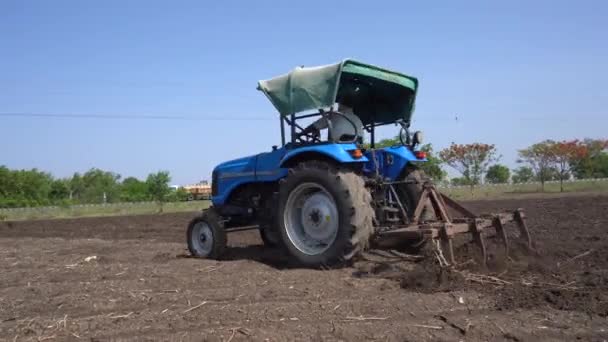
142,286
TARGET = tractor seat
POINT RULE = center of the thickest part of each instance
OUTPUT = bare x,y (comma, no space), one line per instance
342,128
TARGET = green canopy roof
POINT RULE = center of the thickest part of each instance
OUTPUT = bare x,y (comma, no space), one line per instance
381,95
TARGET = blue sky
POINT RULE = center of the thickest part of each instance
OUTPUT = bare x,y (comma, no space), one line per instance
513,72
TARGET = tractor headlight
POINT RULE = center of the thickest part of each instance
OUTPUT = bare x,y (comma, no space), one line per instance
417,138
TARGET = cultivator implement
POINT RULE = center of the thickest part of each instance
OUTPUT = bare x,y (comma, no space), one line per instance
442,230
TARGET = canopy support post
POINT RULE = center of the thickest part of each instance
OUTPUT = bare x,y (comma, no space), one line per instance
373,136
293,128
282,130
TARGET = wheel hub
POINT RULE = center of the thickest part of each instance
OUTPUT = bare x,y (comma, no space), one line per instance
202,239
317,217
311,218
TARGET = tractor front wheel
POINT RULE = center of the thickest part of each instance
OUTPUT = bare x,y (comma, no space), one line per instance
411,190
410,193
206,235
325,214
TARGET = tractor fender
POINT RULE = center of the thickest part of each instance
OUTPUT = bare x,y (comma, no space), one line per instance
337,152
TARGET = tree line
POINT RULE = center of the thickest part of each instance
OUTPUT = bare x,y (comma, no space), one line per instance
545,161
30,188
477,163
548,160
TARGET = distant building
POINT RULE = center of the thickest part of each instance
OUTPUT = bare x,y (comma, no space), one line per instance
199,191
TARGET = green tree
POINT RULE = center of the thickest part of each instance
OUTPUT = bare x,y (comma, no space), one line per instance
600,166
523,174
592,167
564,155
459,181
539,158
76,187
498,174
6,182
181,194
158,187
100,186
178,195
21,188
388,142
60,191
551,174
432,167
133,190
34,186
595,164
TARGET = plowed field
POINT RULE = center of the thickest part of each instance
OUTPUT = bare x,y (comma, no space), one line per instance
129,278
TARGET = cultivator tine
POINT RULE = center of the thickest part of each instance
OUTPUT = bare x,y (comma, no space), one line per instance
501,233
524,235
478,238
447,246
445,239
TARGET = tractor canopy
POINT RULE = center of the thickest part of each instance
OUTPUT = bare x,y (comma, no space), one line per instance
377,95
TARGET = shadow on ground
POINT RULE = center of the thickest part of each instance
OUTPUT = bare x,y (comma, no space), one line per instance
273,257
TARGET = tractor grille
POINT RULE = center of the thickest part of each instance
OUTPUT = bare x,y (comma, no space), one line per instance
214,183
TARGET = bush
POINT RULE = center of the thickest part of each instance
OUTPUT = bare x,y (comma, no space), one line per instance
498,174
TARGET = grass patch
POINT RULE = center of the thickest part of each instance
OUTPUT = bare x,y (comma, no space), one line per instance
516,190
112,209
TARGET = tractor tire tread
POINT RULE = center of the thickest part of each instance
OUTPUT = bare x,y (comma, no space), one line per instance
358,205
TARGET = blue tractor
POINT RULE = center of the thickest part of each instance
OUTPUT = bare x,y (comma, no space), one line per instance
326,193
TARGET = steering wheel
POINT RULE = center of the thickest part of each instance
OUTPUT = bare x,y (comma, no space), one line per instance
404,131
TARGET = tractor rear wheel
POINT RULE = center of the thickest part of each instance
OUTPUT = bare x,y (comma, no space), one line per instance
206,235
325,215
409,193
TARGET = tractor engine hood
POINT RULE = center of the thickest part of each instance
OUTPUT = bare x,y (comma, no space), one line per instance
239,167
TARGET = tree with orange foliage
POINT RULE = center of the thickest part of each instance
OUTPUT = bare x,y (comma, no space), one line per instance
471,160
564,155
